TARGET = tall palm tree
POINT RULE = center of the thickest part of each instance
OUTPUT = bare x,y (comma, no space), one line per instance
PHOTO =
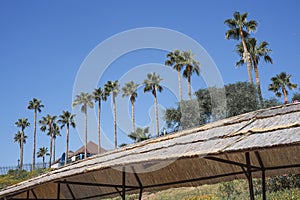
35,105
85,100
152,85
239,29
140,134
255,52
18,139
47,124
175,59
282,82
99,95
191,66
22,123
55,133
67,119
130,90
112,87
42,153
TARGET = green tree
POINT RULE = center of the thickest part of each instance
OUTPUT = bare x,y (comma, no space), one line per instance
239,29
151,84
35,105
42,153
99,95
55,133
296,97
22,123
67,119
175,60
271,102
280,83
191,66
140,134
47,124
112,87
18,139
130,90
85,100
256,52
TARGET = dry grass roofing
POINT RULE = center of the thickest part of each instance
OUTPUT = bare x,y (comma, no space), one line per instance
265,141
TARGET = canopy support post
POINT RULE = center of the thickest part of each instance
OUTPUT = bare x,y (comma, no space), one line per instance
123,183
27,195
249,176
139,182
263,175
58,191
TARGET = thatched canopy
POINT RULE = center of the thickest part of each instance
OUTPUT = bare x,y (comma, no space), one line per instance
262,142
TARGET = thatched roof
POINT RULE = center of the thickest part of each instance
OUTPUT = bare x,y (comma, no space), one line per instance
215,152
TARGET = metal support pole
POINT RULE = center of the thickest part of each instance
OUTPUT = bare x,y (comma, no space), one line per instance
123,183
58,191
27,195
249,177
141,194
139,182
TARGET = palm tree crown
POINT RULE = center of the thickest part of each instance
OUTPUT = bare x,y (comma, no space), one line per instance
151,84
140,134
280,82
18,138
43,151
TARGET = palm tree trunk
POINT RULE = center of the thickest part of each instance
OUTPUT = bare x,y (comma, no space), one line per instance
189,83
54,144
115,121
34,140
21,151
43,161
156,113
99,133
179,86
50,149
285,95
67,144
246,57
85,132
132,116
258,83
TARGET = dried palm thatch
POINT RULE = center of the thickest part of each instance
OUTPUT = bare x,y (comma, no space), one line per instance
265,141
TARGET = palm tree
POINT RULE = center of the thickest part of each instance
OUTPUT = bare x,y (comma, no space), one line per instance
255,52
152,85
112,87
36,106
239,29
140,134
99,95
43,151
22,123
55,133
18,139
282,82
191,66
175,60
84,99
67,119
47,123
130,90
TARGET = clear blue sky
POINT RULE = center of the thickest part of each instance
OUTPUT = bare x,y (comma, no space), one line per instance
44,43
